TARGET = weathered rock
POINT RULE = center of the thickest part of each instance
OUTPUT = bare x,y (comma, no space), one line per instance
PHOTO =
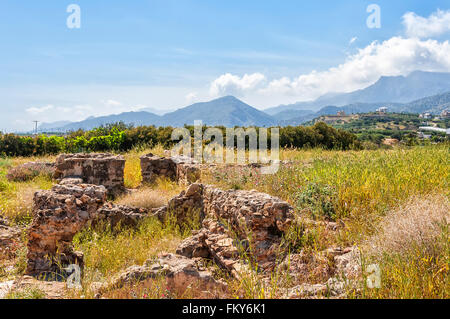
307,291
333,288
9,240
188,173
113,215
194,247
230,254
180,273
340,274
236,225
348,264
30,170
153,167
97,169
182,169
71,181
257,217
184,208
308,267
48,289
58,214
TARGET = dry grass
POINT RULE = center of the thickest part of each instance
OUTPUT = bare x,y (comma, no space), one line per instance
132,173
107,254
15,196
151,196
418,222
412,249
145,197
29,171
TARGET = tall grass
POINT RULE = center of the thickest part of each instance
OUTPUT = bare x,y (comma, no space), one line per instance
106,253
412,248
368,183
361,189
16,197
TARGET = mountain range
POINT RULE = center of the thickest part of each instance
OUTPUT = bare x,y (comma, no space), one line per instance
416,93
394,89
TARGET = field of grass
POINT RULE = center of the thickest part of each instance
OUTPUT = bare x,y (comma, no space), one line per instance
361,189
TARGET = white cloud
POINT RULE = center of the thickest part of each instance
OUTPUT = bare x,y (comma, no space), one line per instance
192,97
352,40
39,110
111,103
393,57
436,24
228,84
139,107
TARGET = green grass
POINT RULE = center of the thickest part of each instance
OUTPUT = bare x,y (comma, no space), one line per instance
29,293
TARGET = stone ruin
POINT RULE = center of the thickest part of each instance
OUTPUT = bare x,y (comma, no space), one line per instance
181,169
181,273
97,169
236,225
239,230
112,215
153,166
58,215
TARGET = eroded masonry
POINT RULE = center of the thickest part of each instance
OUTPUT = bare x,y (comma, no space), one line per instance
240,231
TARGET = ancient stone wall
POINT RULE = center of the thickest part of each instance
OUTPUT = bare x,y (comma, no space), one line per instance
235,224
97,169
188,174
153,166
114,215
184,208
58,214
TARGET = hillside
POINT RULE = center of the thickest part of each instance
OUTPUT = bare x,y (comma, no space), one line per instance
433,104
135,118
227,111
388,89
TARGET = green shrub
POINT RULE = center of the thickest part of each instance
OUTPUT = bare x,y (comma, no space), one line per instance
318,200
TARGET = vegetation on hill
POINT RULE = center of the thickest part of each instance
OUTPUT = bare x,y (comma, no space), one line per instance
121,138
374,127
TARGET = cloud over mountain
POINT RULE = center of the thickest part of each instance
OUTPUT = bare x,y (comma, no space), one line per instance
229,84
399,55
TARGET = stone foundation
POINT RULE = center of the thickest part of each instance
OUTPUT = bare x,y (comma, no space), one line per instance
181,169
118,215
96,169
235,224
58,214
153,166
188,174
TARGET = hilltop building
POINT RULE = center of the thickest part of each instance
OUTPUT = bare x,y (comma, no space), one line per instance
382,110
445,114
425,115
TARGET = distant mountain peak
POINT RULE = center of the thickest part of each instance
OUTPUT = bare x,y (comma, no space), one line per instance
388,89
224,111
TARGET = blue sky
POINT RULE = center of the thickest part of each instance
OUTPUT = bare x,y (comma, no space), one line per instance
132,55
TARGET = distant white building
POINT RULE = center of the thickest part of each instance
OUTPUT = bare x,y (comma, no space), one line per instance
382,110
435,129
423,136
425,115
445,114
